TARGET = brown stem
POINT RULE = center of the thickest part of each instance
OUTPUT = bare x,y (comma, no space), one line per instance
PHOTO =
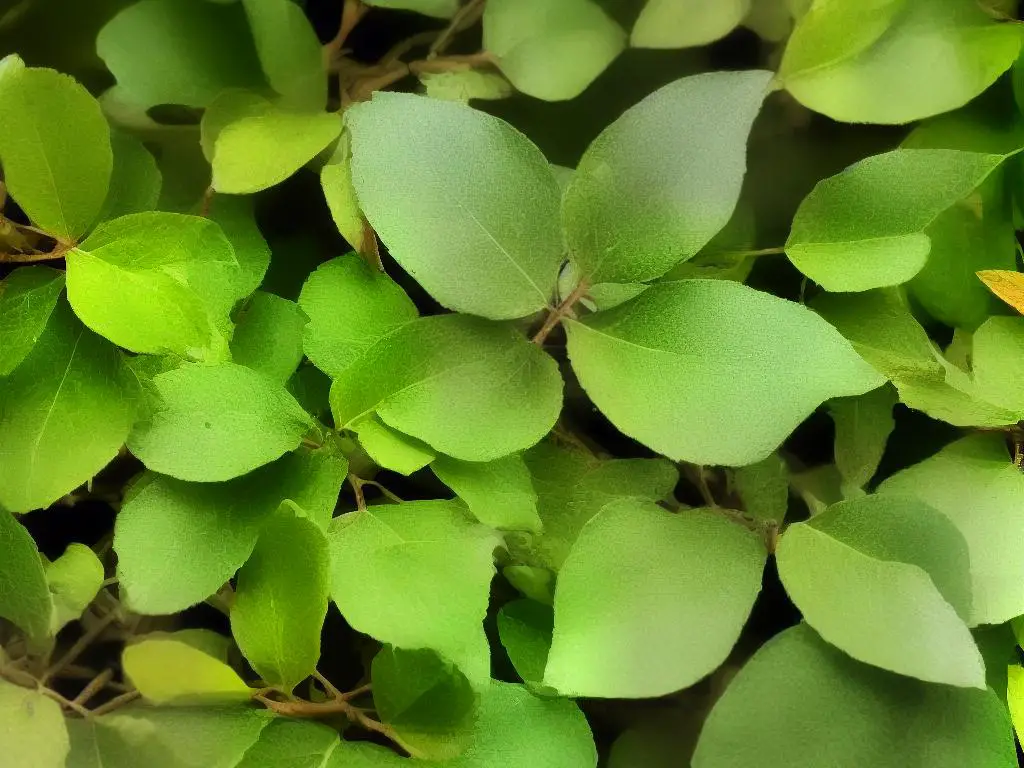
80,645
58,252
404,46
94,686
115,703
66,703
466,17
313,710
451,63
357,489
558,313
207,202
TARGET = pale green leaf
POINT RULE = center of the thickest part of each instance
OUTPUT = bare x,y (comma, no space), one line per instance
424,560
55,148
340,195
800,702
27,298
884,579
289,52
440,8
294,743
32,731
64,414
73,579
764,488
268,336
675,24
649,602
281,600
473,216
863,425
819,487
135,182
975,484
723,375
533,582
525,628
551,51
997,350
894,61
466,85
427,702
867,226
216,422
663,179
179,51
167,671
499,493
390,449
350,306
24,594
507,392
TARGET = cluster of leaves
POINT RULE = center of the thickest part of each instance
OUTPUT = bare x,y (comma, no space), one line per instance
153,359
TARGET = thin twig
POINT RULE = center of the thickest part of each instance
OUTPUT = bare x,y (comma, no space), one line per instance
399,49
558,313
206,202
357,488
67,703
94,686
80,645
383,490
351,14
59,252
115,703
329,687
452,63
464,18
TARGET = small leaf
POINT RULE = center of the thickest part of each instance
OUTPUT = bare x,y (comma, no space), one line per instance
268,336
235,216
499,493
1015,696
525,628
663,179
33,733
884,578
216,422
350,306
466,85
655,380
427,702
863,425
633,616
167,671
27,298
390,449
1008,286
475,222
764,488
340,195
281,601
24,595
57,169
135,181
996,355
289,52
799,701
551,51
506,391
73,579
674,24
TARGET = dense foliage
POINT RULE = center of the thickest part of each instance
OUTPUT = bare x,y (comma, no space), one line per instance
463,383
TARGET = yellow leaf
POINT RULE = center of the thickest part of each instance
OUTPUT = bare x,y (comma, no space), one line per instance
1015,697
166,670
1008,286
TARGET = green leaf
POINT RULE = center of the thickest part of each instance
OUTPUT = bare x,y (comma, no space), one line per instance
390,449
73,579
167,671
135,181
507,392
295,743
865,62
216,422
64,414
764,488
236,219
515,729
340,195
446,217
799,701
996,355
525,628
466,85
975,484
663,179
427,702
350,306
499,493
887,580
27,298
863,425
268,336
33,734
57,168
416,575
674,24
551,51
281,600
867,227
683,387
649,602
1015,696
179,51
156,283
289,52
442,9
260,143
177,542
24,594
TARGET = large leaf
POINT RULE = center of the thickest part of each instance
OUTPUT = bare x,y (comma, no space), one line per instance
24,593
649,602
711,371
675,24
894,61
167,670
416,575
289,52
507,392
888,580
867,226
295,743
268,336
216,422
64,413
499,493
800,702
281,600
57,169
473,215
27,298
350,306
32,731
974,482
663,179
551,51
